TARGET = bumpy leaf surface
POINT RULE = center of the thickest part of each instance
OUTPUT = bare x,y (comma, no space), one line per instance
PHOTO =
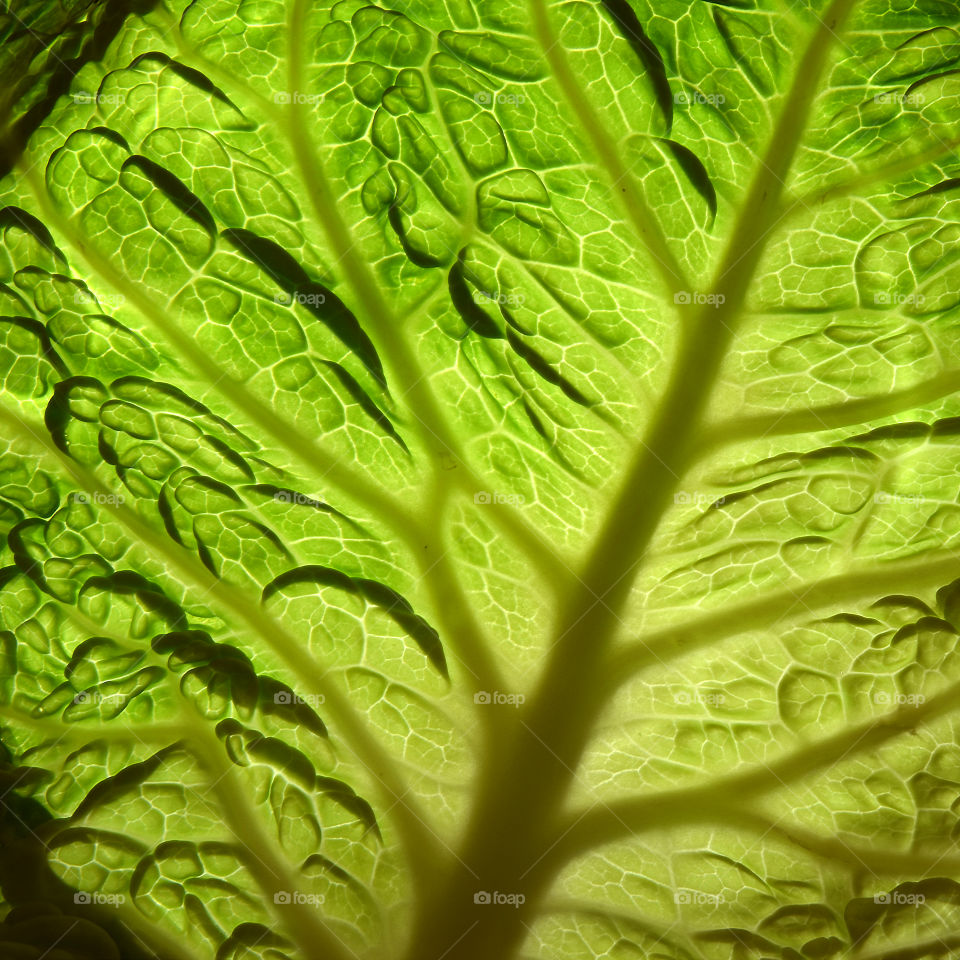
479,480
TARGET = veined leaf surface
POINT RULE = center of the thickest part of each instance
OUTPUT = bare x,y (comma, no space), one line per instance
479,480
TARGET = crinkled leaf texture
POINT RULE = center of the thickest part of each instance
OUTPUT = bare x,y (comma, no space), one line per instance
479,480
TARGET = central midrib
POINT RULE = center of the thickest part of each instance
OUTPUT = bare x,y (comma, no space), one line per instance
522,787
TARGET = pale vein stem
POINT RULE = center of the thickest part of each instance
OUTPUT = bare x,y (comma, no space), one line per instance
521,787
435,433
320,462
273,874
796,602
621,181
436,440
384,776
717,800
847,413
